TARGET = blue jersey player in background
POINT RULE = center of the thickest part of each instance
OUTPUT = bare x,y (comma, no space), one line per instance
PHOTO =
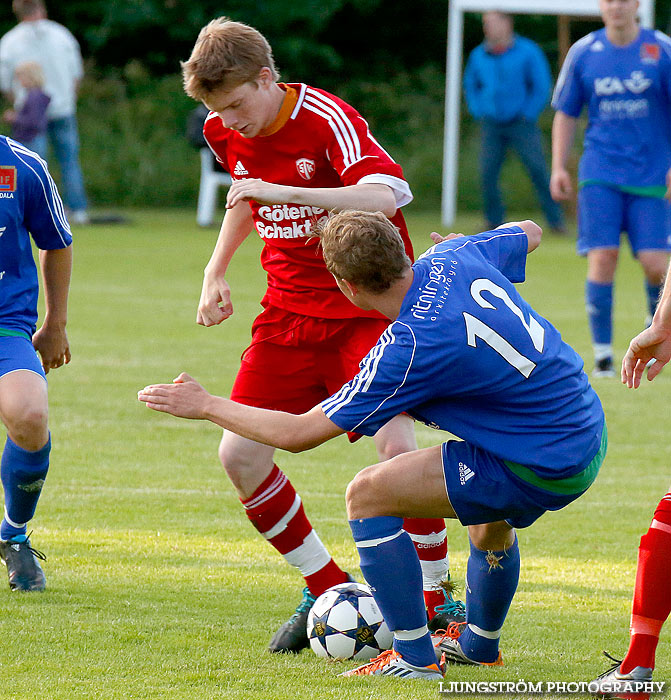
29,206
464,353
622,74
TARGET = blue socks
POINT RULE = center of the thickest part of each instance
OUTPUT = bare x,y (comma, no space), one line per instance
652,291
23,475
390,566
599,304
491,582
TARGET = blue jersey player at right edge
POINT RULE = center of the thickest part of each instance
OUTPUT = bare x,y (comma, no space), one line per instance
622,73
464,353
29,206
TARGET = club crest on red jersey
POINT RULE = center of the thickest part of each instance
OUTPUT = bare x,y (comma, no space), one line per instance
7,178
650,53
306,168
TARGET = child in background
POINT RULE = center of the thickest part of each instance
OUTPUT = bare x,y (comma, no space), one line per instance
29,123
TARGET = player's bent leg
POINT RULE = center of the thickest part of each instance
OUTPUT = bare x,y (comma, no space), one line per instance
492,575
395,437
378,497
428,534
411,485
246,462
276,511
23,469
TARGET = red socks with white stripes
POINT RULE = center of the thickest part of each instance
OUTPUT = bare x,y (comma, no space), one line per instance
276,511
652,592
430,539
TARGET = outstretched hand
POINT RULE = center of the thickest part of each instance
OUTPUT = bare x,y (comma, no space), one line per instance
653,343
184,398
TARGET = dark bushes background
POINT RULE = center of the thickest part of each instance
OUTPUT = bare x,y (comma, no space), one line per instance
385,57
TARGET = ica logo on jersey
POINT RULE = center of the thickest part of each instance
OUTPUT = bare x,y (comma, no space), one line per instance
306,168
609,85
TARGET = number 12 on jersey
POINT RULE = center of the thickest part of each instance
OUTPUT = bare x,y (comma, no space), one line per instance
475,328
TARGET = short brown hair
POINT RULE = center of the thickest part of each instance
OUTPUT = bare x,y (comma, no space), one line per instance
26,8
364,248
32,73
226,55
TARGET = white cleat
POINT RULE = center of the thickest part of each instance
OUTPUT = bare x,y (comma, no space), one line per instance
390,663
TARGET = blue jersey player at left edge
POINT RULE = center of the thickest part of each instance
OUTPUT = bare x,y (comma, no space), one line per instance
30,207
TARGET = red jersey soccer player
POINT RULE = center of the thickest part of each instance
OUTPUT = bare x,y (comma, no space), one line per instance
294,152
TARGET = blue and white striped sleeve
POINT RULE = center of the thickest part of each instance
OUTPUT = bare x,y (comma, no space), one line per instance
568,96
44,213
382,389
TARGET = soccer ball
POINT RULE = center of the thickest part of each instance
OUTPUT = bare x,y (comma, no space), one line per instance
345,623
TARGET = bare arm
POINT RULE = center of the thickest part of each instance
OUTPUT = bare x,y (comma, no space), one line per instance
51,340
533,231
364,197
563,134
186,398
215,298
654,343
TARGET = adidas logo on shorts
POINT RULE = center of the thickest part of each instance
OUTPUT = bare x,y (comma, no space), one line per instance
465,473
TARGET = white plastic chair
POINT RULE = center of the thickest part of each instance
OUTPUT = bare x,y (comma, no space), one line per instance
210,181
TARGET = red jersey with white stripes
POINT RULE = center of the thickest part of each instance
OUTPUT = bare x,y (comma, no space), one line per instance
316,141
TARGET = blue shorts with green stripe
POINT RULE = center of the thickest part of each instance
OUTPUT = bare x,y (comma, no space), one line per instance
16,353
483,488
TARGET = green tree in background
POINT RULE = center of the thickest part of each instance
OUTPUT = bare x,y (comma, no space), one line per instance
386,57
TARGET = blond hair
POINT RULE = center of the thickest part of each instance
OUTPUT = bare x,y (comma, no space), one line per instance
364,248
226,55
32,74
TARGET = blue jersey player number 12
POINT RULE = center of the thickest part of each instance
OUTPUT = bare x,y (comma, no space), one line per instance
475,328
464,353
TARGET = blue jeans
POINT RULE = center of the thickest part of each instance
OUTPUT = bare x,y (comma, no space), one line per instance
38,144
65,142
525,139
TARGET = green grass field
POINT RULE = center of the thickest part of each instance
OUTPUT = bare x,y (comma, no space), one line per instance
158,587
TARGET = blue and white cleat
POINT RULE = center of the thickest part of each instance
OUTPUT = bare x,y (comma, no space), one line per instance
451,653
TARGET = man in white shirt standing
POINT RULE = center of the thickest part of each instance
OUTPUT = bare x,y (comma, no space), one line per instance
36,38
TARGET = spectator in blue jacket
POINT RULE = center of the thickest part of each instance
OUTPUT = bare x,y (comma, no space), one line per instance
507,83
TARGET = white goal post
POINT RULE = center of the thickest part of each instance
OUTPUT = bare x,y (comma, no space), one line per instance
455,38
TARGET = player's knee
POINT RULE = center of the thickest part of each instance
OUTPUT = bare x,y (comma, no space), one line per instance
491,536
233,461
27,426
240,463
602,264
393,445
361,495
